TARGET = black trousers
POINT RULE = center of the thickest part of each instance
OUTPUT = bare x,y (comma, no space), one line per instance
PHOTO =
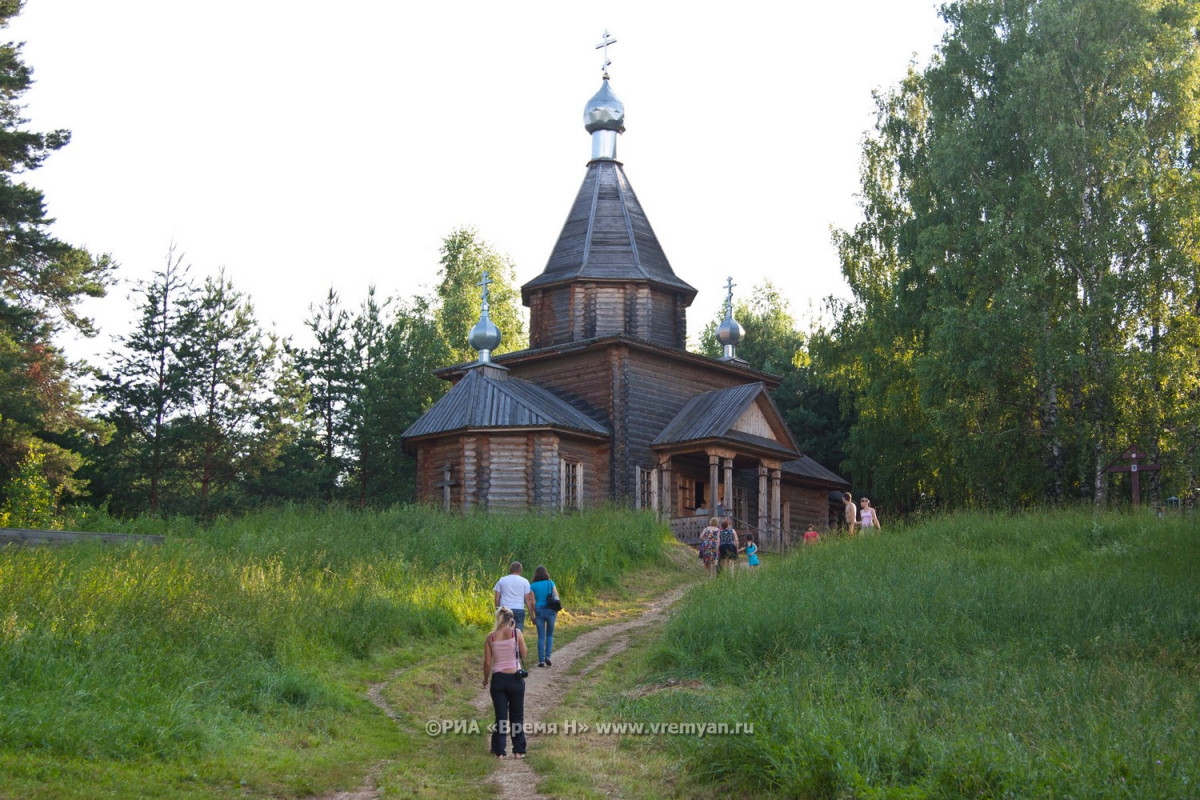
508,699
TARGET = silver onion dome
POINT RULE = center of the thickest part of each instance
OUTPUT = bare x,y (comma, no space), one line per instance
604,111
485,336
604,118
730,333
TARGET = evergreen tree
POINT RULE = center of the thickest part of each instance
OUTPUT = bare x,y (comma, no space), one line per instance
232,365
327,371
146,387
371,401
42,280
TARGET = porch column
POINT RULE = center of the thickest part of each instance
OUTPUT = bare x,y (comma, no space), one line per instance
729,509
655,477
776,516
714,463
667,489
762,499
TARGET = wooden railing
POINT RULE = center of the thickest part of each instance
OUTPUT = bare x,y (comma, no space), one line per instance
687,530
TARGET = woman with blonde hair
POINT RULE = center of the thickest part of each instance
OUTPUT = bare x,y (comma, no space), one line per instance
503,651
708,546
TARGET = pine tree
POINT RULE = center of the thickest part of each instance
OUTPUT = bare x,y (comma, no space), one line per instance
42,281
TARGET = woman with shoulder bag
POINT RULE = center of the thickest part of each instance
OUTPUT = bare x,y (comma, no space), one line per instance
546,605
503,650
727,550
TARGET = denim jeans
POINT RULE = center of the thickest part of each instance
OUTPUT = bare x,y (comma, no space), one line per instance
519,618
544,617
508,700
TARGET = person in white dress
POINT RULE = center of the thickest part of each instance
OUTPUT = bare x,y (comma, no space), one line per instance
868,516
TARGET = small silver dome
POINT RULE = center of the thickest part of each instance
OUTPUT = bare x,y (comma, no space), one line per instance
731,332
604,112
485,336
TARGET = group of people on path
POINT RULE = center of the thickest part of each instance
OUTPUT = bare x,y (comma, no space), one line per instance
719,546
504,649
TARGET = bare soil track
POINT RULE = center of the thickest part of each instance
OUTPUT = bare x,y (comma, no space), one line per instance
544,691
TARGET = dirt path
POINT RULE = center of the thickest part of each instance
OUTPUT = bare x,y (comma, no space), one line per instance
544,690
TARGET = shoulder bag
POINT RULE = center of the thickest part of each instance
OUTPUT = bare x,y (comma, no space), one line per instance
522,673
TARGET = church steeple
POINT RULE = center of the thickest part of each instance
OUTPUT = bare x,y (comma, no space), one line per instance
608,274
604,114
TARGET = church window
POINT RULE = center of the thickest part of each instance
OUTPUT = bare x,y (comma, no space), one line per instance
645,488
571,484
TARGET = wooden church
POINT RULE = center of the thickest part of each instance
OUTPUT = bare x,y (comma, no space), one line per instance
607,406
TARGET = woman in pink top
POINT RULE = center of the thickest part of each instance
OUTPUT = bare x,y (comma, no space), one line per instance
503,652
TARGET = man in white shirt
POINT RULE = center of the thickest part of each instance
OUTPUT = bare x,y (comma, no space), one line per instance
513,591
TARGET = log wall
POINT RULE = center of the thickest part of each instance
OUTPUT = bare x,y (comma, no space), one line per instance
587,310
431,456
634,391
509,471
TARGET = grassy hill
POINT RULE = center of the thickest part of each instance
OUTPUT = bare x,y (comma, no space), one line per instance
236,656
1033,655
1040,655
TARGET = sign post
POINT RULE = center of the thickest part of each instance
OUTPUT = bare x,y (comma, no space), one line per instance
1133,459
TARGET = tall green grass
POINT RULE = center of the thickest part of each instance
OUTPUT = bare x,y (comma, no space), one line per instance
1047,655
176,650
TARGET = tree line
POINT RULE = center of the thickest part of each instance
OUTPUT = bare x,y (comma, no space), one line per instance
1025,304
204,413
1026,274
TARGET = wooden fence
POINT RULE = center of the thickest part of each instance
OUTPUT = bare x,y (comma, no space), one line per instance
24,536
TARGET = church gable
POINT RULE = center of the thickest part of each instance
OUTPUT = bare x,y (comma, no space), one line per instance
762,419
742,414
753,421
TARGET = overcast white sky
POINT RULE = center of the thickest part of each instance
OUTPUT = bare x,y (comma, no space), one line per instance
304,145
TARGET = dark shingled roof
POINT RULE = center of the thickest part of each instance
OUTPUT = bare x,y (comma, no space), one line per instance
608,237
711,415
487,398
805,467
